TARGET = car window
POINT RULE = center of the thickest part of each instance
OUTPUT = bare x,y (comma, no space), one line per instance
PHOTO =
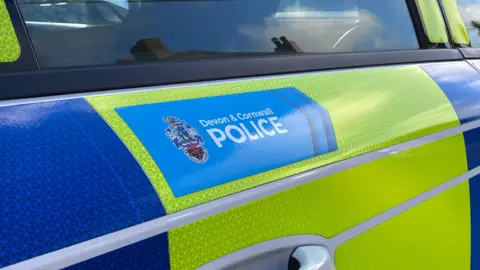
470,10
106,32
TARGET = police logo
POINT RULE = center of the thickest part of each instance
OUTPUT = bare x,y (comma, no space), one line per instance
186,138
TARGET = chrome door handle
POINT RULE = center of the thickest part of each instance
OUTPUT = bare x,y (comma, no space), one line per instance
313,258
298,252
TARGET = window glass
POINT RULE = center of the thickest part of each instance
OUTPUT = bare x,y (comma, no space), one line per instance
470,10
104,32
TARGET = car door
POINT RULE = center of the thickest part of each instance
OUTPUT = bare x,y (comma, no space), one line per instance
236,135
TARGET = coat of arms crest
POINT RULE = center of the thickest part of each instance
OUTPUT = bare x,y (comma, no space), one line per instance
186,138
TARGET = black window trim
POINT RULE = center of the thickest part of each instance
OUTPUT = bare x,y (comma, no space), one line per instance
470,53
447,24
27,59
68,81
419,26
449,29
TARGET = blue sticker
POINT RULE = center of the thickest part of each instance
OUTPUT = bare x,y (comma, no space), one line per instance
206,142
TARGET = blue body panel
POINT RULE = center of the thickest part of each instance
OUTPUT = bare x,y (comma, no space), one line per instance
65,178
472,144
149,254
461,84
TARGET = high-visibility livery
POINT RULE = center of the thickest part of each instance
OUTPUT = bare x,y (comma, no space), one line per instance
275,134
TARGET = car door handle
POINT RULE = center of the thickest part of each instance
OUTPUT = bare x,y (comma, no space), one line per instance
313,258
299,252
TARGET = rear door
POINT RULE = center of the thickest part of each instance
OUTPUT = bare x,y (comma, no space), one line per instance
245,134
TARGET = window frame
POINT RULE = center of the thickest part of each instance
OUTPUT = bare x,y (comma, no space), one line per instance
24,78
27,59
470,53
420,23
68,81
467,51
448,23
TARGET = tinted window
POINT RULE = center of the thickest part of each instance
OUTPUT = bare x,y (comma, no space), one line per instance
470,10
100,32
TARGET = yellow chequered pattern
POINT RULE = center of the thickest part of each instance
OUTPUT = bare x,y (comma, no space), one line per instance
324,207
433,21
455,22
370,109
432,235
9,46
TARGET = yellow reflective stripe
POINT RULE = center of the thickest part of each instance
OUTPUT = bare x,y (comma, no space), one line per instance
432,235
325,207
433,21
9,46
455,22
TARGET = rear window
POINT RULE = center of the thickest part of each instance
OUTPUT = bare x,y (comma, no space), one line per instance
112,32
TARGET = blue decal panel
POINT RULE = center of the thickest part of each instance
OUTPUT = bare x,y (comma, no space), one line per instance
202,143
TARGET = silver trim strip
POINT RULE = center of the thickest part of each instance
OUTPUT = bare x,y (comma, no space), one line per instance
397,210
95,247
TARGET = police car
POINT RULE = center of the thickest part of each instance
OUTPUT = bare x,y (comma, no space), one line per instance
240,134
